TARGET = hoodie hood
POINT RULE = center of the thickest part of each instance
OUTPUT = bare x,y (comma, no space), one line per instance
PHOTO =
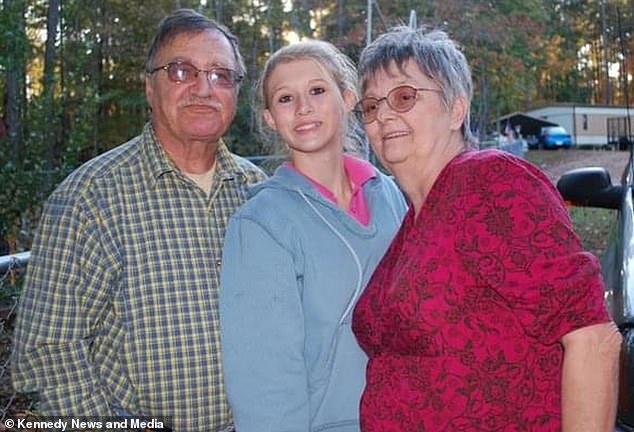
286,178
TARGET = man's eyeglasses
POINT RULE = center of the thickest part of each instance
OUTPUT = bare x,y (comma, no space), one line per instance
401,99
184,73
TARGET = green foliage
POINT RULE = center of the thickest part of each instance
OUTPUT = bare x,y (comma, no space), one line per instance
21,196
14,45
242,138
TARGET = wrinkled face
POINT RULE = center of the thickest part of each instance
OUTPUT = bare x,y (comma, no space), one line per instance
414,135
198,110
306,107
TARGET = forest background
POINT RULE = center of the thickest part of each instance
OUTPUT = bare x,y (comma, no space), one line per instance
72,77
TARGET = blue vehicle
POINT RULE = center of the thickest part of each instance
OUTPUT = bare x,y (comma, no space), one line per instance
552,137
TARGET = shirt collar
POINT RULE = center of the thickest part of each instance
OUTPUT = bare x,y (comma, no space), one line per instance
160,163
359,172
226,166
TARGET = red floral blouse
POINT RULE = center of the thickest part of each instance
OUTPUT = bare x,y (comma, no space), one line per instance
463,316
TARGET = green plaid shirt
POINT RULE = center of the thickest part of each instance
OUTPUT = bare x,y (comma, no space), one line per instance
120,302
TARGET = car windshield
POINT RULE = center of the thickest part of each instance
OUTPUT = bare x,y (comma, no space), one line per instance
554,130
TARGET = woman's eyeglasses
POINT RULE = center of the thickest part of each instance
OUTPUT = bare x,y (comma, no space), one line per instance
401,99
185,73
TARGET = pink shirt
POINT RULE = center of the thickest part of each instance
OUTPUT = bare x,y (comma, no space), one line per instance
359,171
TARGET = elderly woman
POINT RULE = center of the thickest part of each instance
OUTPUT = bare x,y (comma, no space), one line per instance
485,314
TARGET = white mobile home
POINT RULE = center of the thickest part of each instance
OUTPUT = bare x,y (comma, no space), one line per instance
586,123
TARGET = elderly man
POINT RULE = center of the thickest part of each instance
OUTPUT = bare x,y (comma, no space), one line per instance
119,310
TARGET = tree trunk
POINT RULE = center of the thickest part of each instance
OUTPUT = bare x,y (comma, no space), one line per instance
341,16
52,21
269,20
14,112
15,80
103,33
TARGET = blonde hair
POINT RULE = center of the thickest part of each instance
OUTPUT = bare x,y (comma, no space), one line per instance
334,62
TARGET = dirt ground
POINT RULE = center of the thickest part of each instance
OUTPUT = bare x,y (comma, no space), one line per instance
557,162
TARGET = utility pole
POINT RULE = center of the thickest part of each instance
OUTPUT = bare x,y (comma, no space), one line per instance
604,40
368,37
624,79
412,19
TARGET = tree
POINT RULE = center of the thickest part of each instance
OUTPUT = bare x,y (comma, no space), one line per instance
15,45
49,80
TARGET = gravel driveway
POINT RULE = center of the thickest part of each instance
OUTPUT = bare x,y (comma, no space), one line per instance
557,162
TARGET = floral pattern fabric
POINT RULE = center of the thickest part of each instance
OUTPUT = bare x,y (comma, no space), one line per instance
463,316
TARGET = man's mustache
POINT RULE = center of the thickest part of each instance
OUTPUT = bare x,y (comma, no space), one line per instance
200,102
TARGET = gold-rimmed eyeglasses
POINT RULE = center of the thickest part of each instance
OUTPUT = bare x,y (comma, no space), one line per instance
401,99
184,73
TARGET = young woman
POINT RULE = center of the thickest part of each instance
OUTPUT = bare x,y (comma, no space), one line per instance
299,253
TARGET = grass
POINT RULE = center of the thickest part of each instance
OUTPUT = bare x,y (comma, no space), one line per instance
593,226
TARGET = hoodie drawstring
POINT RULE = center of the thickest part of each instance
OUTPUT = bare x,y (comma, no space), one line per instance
358,288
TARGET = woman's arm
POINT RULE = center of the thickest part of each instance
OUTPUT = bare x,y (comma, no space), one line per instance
590,378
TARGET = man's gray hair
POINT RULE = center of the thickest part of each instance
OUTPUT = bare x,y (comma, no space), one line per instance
437,56
188,21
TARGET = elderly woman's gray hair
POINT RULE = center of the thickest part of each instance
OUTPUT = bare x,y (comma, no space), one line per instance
437,56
